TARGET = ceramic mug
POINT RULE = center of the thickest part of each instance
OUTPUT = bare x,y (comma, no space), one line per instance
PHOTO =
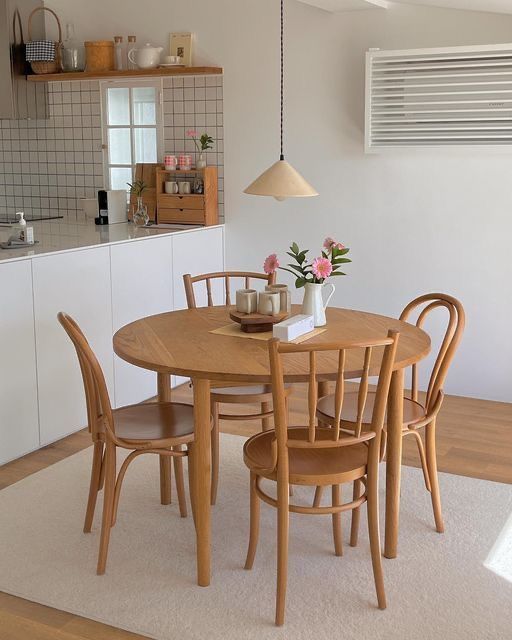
269,303
170,163
172,59
184,188
246,300
171,187
185,162
285,296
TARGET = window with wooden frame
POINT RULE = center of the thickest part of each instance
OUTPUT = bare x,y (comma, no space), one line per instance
132,128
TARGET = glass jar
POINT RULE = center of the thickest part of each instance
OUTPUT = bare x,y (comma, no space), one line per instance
140,215
132,43
119,53
73,52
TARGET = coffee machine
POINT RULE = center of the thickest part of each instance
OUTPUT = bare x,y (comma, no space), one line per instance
112,207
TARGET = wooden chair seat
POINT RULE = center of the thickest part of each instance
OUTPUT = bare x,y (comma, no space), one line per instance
244,394
324,466
158,422
414,412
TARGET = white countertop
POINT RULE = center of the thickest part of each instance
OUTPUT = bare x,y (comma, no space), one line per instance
66,235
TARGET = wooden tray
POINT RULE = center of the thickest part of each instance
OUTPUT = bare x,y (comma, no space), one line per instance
256,322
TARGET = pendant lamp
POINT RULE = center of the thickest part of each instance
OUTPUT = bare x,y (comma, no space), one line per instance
281,180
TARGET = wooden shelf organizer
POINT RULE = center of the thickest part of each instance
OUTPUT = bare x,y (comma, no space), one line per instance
129,73
190,208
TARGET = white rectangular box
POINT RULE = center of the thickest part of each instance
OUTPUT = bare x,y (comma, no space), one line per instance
293,327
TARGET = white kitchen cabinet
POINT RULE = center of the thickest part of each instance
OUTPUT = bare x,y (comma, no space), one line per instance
19,431
141,286
196,252
77,282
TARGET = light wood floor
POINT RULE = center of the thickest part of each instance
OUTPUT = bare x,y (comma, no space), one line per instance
474,439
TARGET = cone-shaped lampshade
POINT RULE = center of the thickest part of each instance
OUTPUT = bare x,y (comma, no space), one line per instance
281,181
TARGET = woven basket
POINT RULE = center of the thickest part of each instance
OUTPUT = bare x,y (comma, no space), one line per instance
47,66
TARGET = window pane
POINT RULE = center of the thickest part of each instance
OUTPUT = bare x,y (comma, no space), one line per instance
118,106
119,146
119,176
145,145
144,105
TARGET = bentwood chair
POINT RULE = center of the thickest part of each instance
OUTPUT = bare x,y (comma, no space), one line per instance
232,394
319,456
416,414
161,428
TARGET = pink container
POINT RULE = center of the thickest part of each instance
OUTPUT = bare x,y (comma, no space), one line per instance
170,163
185,162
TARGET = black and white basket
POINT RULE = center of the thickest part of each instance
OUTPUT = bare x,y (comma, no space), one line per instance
44,55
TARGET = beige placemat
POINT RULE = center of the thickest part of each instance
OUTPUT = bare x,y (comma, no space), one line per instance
234,330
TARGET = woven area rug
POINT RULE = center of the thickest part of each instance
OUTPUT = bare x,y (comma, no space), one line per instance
452,586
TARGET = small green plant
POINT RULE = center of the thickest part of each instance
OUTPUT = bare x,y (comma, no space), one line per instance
205,141
137,188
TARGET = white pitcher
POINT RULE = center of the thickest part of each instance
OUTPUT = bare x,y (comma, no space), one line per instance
313,304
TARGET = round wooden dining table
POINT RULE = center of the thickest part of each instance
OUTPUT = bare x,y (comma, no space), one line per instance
182,343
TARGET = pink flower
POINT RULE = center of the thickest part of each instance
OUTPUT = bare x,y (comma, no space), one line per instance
271,264
192,133
328,242
337,245
322,268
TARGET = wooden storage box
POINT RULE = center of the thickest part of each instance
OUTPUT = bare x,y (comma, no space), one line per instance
192,208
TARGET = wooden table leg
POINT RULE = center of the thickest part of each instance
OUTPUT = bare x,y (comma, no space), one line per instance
164,395
200,478
394,461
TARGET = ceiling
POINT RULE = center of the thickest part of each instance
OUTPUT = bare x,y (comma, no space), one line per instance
495,6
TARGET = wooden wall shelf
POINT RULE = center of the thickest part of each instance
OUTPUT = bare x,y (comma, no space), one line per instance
130,73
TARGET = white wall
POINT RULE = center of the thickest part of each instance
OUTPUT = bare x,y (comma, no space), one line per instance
415,222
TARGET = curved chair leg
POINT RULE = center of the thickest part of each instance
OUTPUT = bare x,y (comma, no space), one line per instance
336,521
318,496
165,480
430,439
423,458
356,514
372,491
94,487
108,504
180,483
255,523
117,489
266,423
191,461
282,549
215,451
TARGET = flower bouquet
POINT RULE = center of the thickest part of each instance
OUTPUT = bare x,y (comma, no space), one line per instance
312,275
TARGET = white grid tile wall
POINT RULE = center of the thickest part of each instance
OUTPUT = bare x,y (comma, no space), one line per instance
47,165
195,102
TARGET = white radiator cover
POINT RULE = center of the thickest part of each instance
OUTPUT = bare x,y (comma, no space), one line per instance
448,97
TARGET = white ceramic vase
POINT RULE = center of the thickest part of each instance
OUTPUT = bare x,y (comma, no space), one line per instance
201,161
313,303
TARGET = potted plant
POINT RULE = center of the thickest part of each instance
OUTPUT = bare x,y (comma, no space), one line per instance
204,143
140,215
312,275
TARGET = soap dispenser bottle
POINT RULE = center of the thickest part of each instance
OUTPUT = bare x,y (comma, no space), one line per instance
19,229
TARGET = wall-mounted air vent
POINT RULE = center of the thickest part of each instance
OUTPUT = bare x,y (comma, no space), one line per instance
439,97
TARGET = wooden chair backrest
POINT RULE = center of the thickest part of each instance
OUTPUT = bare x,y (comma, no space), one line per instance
99,410
189,282
424,305
278,350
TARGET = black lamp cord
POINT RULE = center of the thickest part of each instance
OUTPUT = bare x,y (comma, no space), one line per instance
282,79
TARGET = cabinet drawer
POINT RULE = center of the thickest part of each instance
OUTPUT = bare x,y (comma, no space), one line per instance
186,216
181,202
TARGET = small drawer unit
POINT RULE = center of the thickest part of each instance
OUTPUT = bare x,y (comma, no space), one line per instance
188,208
